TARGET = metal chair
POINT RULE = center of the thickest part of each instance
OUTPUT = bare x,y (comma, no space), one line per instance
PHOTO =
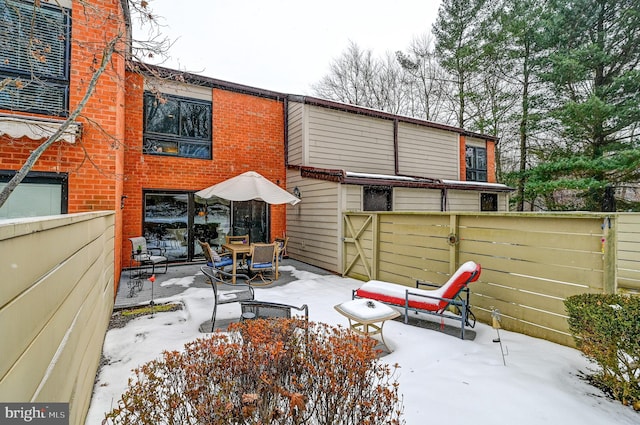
147,256
226,293
267,310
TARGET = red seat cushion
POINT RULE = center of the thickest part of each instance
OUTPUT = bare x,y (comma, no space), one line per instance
393,293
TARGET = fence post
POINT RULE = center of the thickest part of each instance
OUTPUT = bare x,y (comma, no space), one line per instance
375,245
610,254
453,244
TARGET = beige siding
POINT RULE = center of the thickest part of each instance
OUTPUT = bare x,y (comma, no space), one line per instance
296,133
312,225
503,202
352,197
472,141
463,200
55,306
628,252
410,199
352,142
178,89
427,152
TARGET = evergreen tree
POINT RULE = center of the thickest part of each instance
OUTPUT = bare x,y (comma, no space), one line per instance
592,66
458,47
513,36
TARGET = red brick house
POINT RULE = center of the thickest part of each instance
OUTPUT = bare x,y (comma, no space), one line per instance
237,129
146,142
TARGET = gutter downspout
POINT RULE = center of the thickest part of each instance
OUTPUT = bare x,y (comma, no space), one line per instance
443,199
285,104
395,147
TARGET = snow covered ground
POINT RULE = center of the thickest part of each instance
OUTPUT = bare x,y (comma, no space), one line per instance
443,379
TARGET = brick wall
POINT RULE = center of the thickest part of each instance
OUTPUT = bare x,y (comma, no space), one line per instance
94,162
248,135
491,160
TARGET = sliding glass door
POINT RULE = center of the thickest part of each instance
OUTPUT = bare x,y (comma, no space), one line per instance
175,221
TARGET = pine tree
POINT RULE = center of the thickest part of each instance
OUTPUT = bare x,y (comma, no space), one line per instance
456,31
592,66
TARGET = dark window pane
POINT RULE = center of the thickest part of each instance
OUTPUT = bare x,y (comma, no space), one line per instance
469,157
33,39
177,126
161,115
481,159
376,198
195,150
488,202
476,162
196,119
34,57
251,218
160,146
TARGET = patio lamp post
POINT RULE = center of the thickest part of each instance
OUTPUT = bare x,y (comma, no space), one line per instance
152,279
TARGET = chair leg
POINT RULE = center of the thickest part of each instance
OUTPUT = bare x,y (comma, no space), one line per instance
262,277
213,316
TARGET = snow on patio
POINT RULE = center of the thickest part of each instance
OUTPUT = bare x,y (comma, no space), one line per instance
442,378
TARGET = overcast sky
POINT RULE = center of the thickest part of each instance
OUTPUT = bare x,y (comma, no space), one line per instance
284,45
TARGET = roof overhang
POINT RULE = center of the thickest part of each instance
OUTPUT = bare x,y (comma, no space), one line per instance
372,179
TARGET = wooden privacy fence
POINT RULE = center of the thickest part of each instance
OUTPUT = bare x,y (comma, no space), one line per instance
55,305
531,261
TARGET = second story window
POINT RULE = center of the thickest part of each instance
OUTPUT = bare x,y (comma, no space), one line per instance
34,57
177,126
476,160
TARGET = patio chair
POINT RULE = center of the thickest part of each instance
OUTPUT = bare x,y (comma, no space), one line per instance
237,239
281,245
267,310
226,293
262,261
213,258
147,256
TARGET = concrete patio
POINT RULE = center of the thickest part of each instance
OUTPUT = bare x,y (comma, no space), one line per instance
165,287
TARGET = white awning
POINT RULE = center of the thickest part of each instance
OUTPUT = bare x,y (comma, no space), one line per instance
36,128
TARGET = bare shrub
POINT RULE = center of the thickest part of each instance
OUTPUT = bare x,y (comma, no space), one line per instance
265,372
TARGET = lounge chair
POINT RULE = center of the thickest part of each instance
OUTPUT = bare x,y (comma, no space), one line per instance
226,293
435,301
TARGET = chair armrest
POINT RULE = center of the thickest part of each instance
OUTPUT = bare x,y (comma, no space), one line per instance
154,250
455,302
221,277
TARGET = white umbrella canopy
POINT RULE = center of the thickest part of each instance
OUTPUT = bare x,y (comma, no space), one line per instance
248,186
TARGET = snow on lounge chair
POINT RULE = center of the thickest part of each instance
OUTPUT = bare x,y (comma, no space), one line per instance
433,301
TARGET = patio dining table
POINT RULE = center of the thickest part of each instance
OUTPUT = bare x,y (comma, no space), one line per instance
242,249
235,249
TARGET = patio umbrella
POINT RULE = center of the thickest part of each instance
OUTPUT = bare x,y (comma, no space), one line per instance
248,186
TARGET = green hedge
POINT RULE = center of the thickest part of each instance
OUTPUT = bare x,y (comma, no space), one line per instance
606,329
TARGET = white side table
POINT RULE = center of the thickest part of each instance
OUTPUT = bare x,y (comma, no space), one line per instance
367,317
